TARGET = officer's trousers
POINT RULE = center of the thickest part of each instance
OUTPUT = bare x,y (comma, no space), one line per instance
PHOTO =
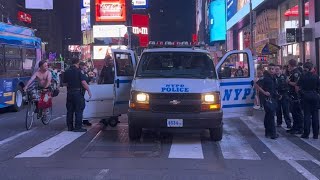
269,121
311,115
75,103
297,115
283,109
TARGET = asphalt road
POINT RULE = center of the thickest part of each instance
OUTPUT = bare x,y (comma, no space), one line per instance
50,152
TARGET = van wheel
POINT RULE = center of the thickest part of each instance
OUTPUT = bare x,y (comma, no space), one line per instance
18,100
216,134
134,133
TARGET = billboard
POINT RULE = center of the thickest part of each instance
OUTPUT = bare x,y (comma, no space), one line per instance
110,10
217,21
140,4
36,4
24,17
86,3
140,27
107,31
85,19
238,9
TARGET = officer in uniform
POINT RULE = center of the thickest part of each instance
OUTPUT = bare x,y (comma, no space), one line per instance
267,86
295,105
283,101
74,81
84,70
309,85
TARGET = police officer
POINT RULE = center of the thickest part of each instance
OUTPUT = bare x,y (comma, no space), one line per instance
74,81
309,85
84,71
283,102
267,86
295,105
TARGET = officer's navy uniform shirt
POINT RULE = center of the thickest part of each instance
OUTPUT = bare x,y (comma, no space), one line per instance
267,83
281,83
309,82
74,77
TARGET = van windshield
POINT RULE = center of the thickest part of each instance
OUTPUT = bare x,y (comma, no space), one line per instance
176,65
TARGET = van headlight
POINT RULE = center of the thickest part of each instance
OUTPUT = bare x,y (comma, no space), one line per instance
210,101
142,98
139,101
209,98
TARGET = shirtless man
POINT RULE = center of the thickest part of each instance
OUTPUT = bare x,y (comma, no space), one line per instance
43,75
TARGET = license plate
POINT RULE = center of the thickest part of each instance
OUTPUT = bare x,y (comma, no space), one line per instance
174,122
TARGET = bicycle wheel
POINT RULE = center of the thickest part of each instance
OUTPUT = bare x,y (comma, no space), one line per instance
30,114
46,116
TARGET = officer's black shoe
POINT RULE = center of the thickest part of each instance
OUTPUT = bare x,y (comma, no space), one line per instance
297,132
80,130
274,136
289,130
304,136
70,128
86,122
315,137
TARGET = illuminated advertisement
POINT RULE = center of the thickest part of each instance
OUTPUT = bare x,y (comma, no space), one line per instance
85,19
36,4
140,4
74,48
217,21
232,8
110,11
104,31
140,27
100,52
24,17
86,3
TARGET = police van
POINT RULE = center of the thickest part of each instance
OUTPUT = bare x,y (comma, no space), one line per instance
178,86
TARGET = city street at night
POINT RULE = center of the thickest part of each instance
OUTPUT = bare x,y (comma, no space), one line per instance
51,152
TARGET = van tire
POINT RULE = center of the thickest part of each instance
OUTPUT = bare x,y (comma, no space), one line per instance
18,99
216,134
134,133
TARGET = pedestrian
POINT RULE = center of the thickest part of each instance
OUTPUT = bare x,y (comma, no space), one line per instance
295,104
267,87
309,85
74,81
283,101
107,73
84,71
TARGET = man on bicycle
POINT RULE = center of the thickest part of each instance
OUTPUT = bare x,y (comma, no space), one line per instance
43,76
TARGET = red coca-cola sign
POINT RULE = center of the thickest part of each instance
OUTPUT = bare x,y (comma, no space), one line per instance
110,11
24,17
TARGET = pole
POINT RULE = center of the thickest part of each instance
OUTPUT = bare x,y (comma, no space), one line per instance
251,27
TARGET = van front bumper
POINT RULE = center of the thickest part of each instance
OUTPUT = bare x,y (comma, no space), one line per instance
148,119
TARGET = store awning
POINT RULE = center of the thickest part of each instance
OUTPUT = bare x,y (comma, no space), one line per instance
269,49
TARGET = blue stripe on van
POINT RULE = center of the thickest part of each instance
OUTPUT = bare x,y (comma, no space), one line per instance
124,81
235,83
238,105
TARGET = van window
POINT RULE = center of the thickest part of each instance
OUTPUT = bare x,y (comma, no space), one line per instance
235,66
176,65
124,64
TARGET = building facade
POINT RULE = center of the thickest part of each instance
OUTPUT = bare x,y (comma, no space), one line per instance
282,29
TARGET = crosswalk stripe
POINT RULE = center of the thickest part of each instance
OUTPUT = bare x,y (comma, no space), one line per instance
52,145
234,145
282,148
5,141
312,142
190,148
303,171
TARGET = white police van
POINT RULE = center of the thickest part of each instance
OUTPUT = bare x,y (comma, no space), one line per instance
179,88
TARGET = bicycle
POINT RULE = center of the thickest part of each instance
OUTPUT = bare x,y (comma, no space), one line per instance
33,111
